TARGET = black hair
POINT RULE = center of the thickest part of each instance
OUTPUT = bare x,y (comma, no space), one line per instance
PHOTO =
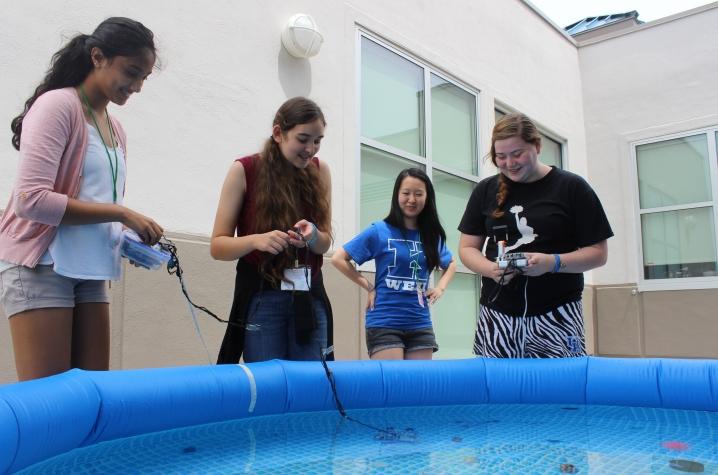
116,36
430,229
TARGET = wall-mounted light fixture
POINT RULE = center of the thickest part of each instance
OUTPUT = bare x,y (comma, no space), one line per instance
301,37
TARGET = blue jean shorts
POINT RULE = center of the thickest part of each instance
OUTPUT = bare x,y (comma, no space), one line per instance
378,339
23,288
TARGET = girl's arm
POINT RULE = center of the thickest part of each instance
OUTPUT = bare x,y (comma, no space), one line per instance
575,262
319,240
224,245
342,261
47,129
83,212
447,274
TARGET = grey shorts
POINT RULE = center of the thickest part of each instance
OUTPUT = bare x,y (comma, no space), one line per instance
378,339
23,288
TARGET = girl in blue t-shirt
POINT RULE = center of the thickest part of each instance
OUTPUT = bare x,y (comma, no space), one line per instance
406,247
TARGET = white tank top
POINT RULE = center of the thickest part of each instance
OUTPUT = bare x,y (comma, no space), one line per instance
91,251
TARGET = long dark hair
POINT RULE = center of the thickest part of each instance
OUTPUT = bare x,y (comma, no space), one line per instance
116,36
508,126
285,193
430,229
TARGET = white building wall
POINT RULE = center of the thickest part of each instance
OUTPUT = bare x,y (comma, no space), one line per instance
657,80
224,73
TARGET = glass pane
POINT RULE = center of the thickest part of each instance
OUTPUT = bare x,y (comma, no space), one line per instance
378,173
454,317
452,194
453,126
679,244
550,151
673,172
392,99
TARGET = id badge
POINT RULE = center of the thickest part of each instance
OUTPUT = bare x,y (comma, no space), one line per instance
297,278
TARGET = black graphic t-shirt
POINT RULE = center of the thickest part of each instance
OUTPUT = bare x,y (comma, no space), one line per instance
557,214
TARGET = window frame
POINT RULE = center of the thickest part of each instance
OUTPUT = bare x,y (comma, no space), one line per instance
684,283
427,162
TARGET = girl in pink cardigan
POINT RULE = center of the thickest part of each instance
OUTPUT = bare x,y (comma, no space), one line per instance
59,234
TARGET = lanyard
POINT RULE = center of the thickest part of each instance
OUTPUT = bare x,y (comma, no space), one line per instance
113,169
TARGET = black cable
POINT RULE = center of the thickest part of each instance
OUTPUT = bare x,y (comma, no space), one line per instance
323,352
340,407
173,267
509,266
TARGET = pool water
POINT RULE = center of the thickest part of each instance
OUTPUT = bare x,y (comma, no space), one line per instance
491,439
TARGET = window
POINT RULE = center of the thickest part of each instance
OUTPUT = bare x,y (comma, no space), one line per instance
415,116
551,150
676,188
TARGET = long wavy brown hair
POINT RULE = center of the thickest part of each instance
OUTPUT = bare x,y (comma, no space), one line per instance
284,193
508,126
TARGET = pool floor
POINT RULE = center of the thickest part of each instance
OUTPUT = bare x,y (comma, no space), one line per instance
490,439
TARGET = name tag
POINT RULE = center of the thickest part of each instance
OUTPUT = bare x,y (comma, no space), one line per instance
297,278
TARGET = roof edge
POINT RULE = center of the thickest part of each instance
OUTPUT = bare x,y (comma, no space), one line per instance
577,36
558,29
649,24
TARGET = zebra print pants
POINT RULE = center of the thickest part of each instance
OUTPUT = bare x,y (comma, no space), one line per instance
555,334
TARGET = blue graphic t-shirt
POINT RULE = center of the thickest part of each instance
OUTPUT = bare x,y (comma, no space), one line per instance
400,273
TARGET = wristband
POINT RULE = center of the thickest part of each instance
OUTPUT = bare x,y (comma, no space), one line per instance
557,263
314,235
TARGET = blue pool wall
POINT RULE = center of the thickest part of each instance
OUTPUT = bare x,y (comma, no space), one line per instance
43,418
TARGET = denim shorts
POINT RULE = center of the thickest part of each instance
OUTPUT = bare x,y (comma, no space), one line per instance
23,288
378,339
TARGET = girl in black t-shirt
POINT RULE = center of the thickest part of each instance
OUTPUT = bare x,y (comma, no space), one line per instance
531,305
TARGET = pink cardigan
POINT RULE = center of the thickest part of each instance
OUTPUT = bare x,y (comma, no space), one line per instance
52,154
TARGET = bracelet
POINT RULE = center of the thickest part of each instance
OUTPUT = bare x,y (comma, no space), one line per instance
557,263
314,235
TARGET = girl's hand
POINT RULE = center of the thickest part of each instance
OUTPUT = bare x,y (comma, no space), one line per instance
146,228
273,242
434,294
496,274
538,263
371,296
307,230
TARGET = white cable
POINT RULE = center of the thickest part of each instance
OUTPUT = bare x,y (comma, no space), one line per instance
196,324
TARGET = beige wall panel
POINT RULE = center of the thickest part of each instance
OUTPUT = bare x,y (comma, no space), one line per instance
681,324
589,319
344,296
7,361
618,330
157,329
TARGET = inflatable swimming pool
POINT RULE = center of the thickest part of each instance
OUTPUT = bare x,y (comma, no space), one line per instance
44,418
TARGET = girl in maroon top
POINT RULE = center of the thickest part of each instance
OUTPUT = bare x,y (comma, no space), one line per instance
274,216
